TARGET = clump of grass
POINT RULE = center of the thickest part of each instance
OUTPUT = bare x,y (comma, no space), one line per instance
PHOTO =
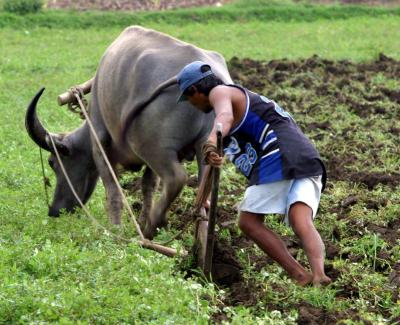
22,7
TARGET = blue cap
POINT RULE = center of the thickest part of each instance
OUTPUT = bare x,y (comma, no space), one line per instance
191,74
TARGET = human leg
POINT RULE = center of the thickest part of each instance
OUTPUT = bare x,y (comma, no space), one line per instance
252,225
300,218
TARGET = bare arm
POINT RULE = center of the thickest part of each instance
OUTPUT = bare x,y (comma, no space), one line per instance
220,100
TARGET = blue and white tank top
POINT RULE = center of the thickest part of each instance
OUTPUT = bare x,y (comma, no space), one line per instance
268,146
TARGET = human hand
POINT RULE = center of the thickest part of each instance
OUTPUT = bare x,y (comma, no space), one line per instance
210,154
214,159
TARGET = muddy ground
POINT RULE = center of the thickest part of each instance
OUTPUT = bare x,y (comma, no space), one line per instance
323,86
340,106
129,5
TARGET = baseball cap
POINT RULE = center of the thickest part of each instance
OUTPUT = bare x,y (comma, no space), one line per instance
191,74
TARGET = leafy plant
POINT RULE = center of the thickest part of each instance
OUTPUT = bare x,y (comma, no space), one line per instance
367,246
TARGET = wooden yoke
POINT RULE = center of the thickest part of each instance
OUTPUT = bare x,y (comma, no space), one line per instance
69,97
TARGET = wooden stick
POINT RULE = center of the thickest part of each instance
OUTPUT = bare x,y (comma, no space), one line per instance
204,188
171,252
201,237
69,97
212,215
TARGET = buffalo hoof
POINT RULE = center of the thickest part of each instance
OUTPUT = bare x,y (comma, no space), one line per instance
159,221
55,213
163,223
151,227
149,232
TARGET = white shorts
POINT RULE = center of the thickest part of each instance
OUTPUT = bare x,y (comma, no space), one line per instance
277,197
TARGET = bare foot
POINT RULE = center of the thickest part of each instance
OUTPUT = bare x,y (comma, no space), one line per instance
319,281
304,280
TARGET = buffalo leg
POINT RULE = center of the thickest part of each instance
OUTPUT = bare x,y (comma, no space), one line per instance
173,177
149,183
113,196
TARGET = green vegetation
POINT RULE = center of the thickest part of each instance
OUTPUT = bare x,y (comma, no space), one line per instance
358,39
22,7
239,13
68,271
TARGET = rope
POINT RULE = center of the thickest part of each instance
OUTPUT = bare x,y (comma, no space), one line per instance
77,197
201,216
125,201
74,106
46,181
143,241
179,234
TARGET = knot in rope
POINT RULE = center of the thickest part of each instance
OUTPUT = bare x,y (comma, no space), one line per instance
74,106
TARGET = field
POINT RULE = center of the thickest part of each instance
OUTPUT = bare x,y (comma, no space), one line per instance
335,68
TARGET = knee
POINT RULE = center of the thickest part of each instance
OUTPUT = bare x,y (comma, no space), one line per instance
172,185
300,215
181,177
248,223
301,225
243,224
177,178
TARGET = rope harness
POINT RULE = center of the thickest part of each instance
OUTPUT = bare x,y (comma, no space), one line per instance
75,107
80,107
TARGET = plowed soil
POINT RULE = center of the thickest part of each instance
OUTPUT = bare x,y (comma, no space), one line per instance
337,104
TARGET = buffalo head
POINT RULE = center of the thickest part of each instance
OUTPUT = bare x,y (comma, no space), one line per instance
76,155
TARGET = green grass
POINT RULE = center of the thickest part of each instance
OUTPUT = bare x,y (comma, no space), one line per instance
236,12
69,272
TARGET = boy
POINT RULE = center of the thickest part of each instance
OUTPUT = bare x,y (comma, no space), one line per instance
285,172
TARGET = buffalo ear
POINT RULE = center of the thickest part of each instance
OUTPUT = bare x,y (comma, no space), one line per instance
60,144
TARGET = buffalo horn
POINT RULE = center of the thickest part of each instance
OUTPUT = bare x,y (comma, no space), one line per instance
32,124
36,130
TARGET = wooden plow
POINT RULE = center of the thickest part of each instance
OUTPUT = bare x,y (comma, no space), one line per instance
205,225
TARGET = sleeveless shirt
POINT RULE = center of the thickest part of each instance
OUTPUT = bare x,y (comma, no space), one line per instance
267,145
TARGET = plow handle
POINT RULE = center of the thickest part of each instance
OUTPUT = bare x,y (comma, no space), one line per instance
212,215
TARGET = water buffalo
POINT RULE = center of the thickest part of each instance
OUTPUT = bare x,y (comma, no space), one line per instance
160,134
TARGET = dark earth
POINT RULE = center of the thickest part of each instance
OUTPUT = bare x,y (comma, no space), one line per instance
324,86
311,88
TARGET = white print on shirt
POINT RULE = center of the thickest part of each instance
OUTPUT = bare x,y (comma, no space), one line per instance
246,160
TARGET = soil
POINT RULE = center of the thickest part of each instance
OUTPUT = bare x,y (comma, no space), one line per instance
311,88
329,84
326,85
128,5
